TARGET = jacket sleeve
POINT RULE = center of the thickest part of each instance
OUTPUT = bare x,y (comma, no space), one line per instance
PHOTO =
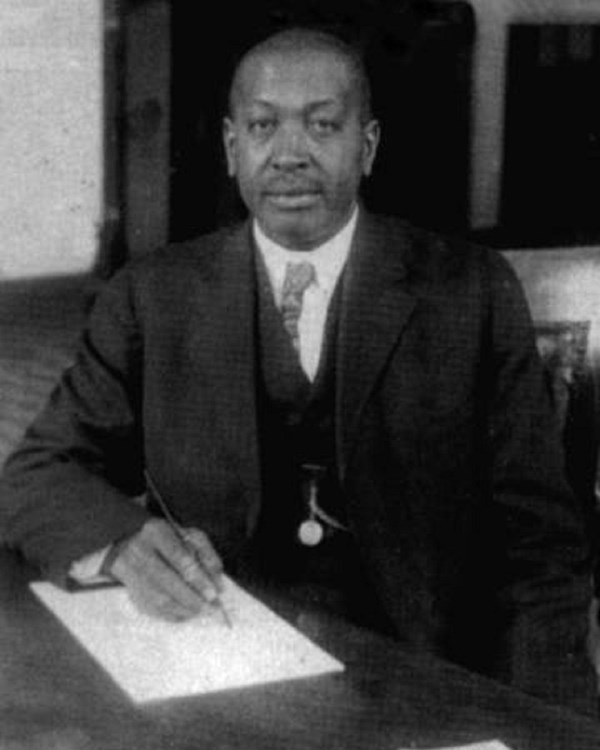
66,490
543,578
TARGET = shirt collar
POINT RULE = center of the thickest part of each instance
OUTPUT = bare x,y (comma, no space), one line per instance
328,259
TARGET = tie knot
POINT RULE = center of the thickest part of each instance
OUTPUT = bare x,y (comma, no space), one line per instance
298,277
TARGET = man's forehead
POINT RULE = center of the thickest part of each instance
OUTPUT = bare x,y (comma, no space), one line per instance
310,74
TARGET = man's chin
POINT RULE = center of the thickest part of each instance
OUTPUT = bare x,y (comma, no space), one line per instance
294,201
296,230
302,228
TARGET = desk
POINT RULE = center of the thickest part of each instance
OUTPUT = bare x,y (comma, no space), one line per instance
53,696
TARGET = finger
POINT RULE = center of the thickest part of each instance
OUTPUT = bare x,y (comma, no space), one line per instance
158,590
206,553
172,586
154,582
157,605
155,587
183,561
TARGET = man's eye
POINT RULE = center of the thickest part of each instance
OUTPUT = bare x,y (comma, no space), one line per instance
261,127
322,126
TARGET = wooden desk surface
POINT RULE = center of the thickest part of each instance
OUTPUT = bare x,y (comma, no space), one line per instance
54,697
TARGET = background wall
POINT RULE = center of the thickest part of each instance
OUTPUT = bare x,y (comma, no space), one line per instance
562,284
50,135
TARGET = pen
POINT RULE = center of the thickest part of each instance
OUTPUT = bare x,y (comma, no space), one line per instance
181,536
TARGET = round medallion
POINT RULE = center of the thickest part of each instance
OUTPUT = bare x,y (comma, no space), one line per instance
310,532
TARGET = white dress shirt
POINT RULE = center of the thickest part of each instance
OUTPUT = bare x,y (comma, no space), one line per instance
328,261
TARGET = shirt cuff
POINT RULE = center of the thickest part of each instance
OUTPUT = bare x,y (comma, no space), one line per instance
86,570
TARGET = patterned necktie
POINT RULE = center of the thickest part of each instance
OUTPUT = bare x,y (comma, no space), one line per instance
298,277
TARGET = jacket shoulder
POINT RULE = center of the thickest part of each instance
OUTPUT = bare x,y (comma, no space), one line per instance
431,257
201,254
172,276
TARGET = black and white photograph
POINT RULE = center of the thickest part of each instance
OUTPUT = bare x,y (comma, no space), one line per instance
300,375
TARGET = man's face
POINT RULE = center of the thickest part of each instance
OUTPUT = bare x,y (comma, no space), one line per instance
297,144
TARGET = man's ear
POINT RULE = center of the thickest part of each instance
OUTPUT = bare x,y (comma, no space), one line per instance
371,134
229,142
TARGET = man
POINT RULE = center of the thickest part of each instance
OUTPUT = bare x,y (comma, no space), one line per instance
371,422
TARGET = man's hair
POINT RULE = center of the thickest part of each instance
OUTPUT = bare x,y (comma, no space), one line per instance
300,39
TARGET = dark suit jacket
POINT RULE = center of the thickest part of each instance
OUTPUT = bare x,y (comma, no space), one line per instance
447,450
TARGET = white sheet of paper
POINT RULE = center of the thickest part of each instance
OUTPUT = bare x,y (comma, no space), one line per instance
492,745
153,660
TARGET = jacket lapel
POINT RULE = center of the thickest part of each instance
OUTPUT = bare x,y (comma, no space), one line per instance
375,309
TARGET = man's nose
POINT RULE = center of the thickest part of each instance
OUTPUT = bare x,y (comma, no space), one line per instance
290,149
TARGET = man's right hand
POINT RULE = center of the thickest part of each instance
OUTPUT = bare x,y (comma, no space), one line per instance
161,576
